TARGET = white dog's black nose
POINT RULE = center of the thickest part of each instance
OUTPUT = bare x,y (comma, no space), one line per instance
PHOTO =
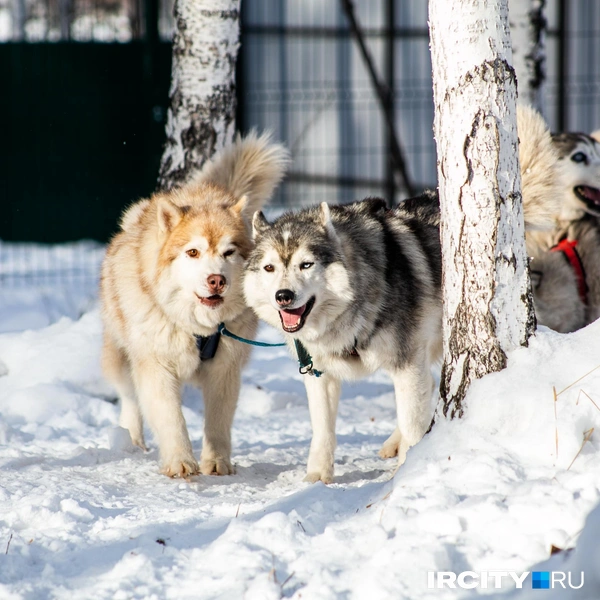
284,297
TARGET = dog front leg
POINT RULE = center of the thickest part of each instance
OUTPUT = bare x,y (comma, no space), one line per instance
220,390
391,445
413,386
323,396
117,369
159,395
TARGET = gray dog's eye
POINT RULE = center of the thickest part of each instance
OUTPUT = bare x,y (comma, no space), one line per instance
579,157
306,265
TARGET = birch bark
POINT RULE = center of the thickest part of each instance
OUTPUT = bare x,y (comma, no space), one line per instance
201,116
528,33
487,298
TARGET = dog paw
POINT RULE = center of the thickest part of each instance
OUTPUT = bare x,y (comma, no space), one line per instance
388,450
216,466
319,466
391,445
140,443
314,476
181,466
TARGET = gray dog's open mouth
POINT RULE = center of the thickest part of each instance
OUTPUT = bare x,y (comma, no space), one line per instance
590,196
292,319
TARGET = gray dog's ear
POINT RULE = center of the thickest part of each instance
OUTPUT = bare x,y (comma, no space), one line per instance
326,220
259,224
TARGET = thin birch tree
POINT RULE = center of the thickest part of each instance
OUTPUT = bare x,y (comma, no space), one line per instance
201,116
488,309
528,35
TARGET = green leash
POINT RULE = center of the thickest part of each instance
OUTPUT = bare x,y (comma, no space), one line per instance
224,331
306,362
304,358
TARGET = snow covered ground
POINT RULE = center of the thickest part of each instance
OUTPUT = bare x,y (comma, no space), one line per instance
84,515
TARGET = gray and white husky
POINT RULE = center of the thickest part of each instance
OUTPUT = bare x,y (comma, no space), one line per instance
357,288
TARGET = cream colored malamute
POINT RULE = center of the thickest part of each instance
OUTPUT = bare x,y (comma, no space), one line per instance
170,277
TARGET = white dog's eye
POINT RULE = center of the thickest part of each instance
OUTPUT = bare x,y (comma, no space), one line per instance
579,157
228,253
269,268
306,265
193,253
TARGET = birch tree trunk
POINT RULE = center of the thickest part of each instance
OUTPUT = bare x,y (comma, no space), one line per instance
488,309
201,116
528,33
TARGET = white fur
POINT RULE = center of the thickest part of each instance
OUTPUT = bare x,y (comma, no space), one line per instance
537,158
151,291
189,275
330,286
571,174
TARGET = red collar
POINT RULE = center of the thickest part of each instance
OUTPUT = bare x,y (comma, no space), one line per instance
567,247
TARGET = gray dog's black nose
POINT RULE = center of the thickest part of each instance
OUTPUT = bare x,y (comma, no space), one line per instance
284,297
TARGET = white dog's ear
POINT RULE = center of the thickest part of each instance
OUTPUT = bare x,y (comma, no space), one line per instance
326,220
259,224
595,135
240,205
168,215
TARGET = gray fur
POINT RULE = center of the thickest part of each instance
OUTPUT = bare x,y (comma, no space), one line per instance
587,233
556,298
361,290
565,143
388,260
383,311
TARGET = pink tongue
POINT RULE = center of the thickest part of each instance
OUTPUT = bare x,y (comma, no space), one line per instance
591,193
292,317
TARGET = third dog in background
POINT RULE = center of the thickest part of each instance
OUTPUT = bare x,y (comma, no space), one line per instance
572,300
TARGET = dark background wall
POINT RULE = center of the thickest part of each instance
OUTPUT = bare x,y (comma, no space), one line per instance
84,87
82,135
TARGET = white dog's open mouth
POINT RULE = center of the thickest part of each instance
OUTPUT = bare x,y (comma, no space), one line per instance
589,195
211,301
292,319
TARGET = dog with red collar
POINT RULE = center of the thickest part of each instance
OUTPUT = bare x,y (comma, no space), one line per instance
575,238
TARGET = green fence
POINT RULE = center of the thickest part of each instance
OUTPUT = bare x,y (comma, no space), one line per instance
82,134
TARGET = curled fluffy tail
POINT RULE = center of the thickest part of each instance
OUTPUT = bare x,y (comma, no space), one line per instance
251,166
539,159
